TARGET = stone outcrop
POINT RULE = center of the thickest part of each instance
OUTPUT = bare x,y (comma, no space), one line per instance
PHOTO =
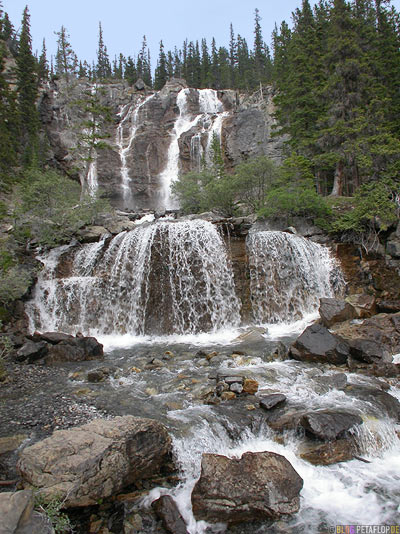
260,485
142,122
94,461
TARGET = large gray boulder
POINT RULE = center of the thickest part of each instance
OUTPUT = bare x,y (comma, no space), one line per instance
317,344
82,465
260,485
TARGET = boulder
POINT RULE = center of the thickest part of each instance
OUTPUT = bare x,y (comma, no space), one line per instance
31,352
166,509
383,328
91,234
335,311
336,381
18,516
317,344
369,351
51,337
75,350
85,464
260,485
329,453
270,401
329,424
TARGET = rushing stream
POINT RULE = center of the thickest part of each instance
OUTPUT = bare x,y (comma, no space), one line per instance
157,295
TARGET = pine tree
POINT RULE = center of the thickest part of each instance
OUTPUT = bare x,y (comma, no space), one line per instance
130,73
66,60
232,57
205,64
161,73
103,67
43,65
27,91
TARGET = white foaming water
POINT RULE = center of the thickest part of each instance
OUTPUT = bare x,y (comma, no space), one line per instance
336,494
161,278
288,276
92,180
131,119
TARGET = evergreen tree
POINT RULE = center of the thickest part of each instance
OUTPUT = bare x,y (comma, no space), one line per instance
205,64
43,65
130,73
232,57
66,60
103,68
27,91
161,73
8,134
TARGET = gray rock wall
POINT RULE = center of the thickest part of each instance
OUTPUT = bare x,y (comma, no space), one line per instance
142,126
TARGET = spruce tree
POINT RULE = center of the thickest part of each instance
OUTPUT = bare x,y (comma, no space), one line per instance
161,73
27,91
103,67
66,60
43,65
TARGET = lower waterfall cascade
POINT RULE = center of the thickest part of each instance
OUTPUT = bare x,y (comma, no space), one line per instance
159,278
288,275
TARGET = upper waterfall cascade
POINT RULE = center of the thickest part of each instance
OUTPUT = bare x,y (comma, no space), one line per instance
159,278
208,122
288,275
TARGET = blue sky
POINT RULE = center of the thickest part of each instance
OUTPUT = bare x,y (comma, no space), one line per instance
125,22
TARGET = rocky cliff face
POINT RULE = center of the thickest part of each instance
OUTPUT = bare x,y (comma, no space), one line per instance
150,137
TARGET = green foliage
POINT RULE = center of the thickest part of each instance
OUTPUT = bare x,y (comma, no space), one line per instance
251,181
50,208
5,350
293,193
373,207
52,509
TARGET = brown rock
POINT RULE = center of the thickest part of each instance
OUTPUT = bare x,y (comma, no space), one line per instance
255,486
329,453
166,509
250,386
335,311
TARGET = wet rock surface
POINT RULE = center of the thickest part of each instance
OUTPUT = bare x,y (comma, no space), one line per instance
317,344
335,311
329,424
254,486
169,514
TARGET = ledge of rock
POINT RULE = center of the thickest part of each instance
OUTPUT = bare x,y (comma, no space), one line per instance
56,347
94,461
256,486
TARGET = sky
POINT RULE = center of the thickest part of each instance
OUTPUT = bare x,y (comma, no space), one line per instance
124,22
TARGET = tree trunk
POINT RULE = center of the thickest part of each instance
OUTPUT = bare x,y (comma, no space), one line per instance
337,189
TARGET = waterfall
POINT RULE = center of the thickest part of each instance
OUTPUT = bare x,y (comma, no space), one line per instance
92,181
209,120
130,117
288,275
160,278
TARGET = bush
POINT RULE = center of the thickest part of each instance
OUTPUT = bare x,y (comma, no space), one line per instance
293,193
49,208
